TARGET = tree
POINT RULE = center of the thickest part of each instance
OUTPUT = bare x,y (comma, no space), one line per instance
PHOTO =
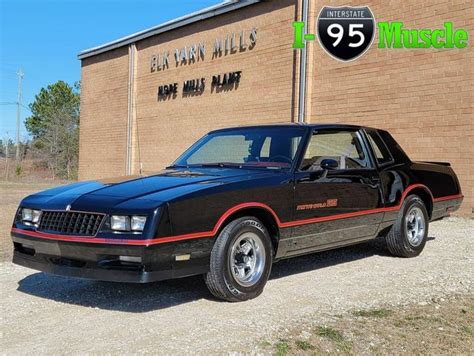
4,149
54,127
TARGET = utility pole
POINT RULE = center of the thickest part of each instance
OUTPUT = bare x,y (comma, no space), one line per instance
18,108
6,157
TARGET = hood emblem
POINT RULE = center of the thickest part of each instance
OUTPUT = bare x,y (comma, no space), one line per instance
68,207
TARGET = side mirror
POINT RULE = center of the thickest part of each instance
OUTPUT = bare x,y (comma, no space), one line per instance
328,163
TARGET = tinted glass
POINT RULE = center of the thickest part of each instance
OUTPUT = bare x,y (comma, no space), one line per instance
252,147
380,149
344,147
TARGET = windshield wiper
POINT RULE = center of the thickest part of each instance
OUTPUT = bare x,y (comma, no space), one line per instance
219,165
177,166
224,165
214,165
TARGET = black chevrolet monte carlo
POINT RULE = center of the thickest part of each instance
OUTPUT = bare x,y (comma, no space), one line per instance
236,201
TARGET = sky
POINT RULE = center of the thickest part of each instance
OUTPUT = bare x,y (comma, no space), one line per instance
43,38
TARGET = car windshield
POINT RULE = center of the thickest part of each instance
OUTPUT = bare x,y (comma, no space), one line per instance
246,147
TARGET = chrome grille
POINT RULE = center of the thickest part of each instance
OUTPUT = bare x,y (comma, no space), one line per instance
70,222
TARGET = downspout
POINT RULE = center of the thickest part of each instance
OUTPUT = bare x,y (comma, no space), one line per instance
131,81
302,89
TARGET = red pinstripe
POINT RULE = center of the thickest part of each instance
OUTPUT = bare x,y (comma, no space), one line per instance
96,240
229,212
448,197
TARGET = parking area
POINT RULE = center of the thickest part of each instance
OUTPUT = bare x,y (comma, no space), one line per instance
44,313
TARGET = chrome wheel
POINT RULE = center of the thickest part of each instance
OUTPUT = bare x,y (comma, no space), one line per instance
247,259
415,226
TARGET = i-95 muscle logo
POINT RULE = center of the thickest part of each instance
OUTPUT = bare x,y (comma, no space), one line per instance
347,32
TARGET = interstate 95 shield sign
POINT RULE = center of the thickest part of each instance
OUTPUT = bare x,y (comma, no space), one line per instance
346,32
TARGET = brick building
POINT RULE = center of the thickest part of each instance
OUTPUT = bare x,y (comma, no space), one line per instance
132,118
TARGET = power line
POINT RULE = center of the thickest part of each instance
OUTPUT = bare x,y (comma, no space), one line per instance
15,103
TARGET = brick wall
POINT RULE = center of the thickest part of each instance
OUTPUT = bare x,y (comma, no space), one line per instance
103,121
264,95
424,97
162,130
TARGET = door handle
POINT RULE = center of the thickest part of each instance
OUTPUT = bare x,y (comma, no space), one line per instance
312,177
371,180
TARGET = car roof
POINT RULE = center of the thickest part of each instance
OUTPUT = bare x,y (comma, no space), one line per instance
302,125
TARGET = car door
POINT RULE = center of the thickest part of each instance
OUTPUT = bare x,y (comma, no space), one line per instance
337,192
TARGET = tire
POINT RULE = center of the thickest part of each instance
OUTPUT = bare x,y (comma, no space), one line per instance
408,235
237,273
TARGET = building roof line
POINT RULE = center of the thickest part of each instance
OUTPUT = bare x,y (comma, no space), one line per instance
215,10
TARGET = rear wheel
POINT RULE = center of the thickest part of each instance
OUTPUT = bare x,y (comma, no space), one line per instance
240,261
408,235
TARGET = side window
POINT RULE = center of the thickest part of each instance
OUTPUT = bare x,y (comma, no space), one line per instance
344,147
265,152
381,151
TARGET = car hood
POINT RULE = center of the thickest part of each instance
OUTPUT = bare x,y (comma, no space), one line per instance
137,193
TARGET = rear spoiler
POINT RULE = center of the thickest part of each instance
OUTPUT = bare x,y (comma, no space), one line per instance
447,164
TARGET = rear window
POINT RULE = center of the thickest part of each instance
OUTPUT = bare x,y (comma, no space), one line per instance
381,152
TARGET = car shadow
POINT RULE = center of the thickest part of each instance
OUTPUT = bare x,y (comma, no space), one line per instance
323,259
126,297
140,298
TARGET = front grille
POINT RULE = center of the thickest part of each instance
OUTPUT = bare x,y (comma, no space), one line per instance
70,222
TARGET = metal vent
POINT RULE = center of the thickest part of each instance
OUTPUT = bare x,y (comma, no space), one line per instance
71,223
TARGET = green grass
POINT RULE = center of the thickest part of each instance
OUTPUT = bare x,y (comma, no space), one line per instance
304,345
414,318
330,333
373,313
466,330
282,348
336,336
430,318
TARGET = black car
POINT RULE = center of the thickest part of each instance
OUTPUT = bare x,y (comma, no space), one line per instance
236,201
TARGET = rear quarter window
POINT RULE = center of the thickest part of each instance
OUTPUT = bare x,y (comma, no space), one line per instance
381,152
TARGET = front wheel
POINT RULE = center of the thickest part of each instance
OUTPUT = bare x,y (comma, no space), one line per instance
240,261
408,235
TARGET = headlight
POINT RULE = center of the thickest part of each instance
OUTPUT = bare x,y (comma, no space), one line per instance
30,215
138,223
120,223
127,223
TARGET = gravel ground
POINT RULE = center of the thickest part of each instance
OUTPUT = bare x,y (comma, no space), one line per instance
42,313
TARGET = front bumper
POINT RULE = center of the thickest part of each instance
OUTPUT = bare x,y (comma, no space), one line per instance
102,262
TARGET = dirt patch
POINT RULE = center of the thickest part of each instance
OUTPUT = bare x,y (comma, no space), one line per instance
442,326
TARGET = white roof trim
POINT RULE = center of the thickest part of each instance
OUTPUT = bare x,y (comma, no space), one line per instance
215,10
